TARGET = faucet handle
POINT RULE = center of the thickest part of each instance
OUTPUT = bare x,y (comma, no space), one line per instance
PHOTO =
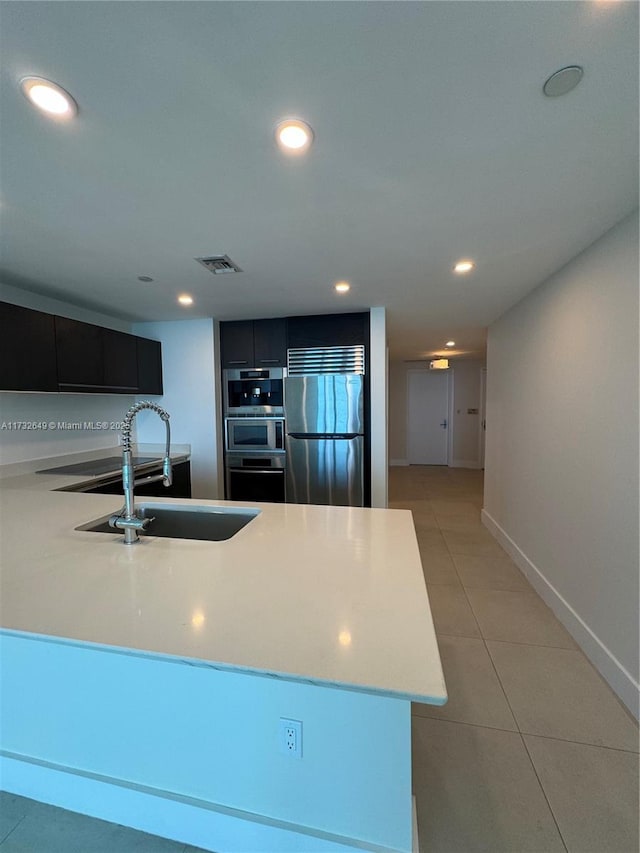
134,523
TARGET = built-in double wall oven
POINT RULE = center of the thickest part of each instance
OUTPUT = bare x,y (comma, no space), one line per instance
255,459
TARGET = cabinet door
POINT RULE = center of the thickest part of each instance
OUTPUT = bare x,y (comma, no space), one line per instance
270,342
80,359
120,356
149,366
328,330
179,488
27,350
236,343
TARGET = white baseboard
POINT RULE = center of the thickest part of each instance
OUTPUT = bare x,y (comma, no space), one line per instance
617,676
161,813
465,463
398,463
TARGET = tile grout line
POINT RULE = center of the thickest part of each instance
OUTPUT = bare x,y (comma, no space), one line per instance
544,793
520,643
511,711
465,723
12,830
524,744
522,733
582,743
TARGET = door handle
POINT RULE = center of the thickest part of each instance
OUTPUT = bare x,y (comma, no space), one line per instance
444,424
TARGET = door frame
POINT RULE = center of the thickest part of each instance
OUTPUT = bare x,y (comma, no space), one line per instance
450,388
482,431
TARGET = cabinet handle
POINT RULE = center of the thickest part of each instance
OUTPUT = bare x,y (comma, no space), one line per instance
88,385
256,471
268,360
238,361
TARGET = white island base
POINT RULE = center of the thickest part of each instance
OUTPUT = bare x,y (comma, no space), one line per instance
185,750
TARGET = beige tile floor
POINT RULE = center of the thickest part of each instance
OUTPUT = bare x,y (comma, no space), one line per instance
532,753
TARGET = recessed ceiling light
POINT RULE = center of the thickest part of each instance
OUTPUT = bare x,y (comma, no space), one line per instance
144,278
185,299
294,136
450,344
342,287
563,81
464,266
49,97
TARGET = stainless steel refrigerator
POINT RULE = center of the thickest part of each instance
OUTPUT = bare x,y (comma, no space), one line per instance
324,425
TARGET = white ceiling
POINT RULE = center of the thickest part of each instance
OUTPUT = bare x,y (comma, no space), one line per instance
433,142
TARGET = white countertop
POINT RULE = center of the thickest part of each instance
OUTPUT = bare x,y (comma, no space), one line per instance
329,595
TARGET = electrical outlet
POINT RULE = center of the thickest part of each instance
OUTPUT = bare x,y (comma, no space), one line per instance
290,735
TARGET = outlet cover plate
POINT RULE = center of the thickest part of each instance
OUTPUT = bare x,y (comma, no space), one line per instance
290,737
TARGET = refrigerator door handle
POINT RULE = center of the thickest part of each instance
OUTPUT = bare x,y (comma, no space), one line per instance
324,436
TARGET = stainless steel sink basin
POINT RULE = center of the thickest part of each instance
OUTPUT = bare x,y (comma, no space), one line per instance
177,521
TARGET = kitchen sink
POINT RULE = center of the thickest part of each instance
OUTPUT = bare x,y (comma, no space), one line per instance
177,521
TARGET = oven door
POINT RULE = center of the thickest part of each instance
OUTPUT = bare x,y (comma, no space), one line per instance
256,478
254,434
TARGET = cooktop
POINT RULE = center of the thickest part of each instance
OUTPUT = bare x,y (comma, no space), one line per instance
97,466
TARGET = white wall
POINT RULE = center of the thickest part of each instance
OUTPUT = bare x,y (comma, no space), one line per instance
378,360
190,392
561,466
398,413
464,427
18,445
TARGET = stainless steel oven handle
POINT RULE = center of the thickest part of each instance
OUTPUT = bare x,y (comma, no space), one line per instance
256,470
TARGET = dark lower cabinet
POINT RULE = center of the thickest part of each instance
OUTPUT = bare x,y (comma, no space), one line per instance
180,487
27,350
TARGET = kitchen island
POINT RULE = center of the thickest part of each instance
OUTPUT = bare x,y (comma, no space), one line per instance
145,684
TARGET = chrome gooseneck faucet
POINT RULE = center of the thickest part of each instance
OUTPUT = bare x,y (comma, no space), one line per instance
127,519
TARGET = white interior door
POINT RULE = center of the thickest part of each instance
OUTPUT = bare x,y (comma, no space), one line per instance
428,425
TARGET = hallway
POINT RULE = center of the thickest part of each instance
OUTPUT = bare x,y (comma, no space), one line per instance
533,751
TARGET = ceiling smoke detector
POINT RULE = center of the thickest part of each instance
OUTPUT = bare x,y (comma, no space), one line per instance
218,264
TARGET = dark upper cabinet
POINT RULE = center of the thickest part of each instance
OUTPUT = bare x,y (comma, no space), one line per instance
270,342
43,352
328,330
94,359
236,343
120,355
254,343
149,356
27,350
80,355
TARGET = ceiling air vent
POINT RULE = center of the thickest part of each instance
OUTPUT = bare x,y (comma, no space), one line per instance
218,264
